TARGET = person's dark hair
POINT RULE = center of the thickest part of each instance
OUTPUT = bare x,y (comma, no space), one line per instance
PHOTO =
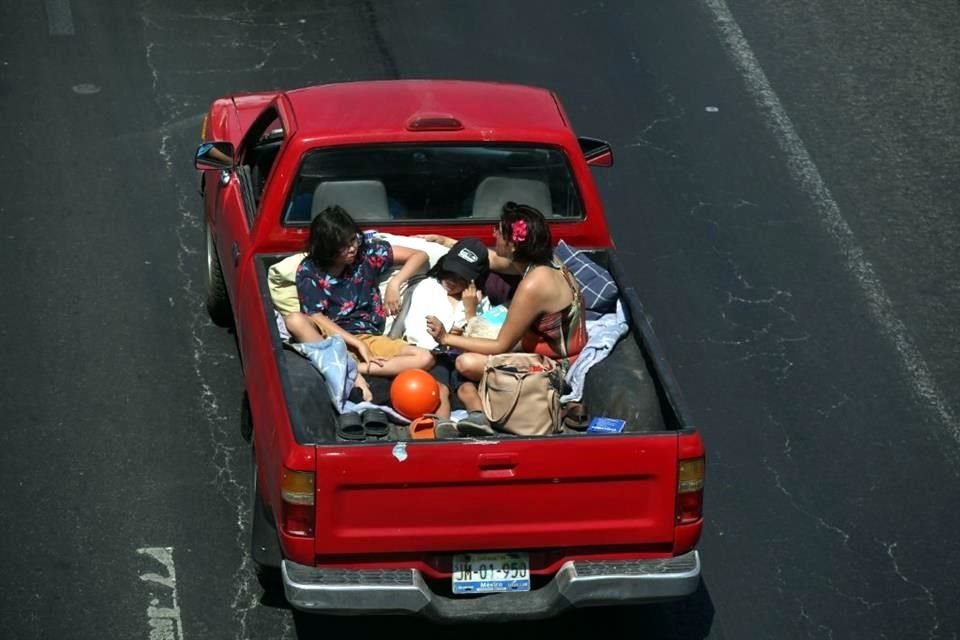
527,229
445,274
331,231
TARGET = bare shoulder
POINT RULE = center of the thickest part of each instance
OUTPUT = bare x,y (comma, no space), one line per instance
538,283
549,287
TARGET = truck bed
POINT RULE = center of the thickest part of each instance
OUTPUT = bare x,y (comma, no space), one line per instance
652,404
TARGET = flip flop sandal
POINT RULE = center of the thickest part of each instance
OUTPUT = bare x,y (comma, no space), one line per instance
375,423
475,425
446,428
350,427
423,428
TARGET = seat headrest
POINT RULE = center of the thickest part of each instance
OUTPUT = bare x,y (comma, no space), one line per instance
362,199
495,191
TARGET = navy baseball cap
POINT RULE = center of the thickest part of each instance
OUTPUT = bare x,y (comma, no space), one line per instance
468,259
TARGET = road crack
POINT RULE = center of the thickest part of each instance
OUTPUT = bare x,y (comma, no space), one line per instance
224,456
927,596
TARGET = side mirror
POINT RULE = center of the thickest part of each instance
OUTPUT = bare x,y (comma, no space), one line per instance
597,153
214,155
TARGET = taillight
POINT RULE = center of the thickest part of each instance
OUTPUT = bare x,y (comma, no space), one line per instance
296,491
690,490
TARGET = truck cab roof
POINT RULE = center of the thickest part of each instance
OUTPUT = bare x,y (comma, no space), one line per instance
387,109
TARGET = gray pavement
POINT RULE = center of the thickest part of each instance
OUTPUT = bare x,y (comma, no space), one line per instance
829,417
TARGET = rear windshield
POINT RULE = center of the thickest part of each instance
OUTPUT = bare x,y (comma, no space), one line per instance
433,182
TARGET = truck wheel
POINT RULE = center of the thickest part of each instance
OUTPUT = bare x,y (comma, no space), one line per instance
264,545
218,304
246,419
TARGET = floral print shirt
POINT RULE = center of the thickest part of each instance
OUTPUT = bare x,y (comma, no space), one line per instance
352,299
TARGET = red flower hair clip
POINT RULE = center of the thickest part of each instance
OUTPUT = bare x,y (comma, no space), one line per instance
518,231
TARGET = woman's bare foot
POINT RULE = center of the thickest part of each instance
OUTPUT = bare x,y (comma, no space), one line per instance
361,384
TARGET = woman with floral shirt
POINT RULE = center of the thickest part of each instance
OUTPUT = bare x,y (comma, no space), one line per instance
338,288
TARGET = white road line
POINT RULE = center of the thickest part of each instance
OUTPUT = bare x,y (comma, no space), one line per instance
59,17
164,621
806,174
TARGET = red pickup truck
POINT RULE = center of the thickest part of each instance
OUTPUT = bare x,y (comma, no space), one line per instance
461,529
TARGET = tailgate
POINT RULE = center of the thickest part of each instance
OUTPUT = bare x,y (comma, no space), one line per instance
497,494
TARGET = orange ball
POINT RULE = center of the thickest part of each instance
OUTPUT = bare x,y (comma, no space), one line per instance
414,392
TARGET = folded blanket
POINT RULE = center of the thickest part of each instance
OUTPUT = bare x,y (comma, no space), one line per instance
331,359
281,327
434,250
359,407
339,373
602,336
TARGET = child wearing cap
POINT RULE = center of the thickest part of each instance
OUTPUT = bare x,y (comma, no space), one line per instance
450,293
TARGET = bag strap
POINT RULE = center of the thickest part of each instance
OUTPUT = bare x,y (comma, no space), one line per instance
571,282
488,410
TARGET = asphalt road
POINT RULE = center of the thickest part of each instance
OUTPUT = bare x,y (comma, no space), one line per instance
785,196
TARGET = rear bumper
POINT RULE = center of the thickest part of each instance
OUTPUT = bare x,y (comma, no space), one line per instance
577,584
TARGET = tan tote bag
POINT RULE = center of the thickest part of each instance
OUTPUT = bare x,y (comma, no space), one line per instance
521,393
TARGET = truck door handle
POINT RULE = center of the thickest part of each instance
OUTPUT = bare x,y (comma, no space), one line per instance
236,253
497,465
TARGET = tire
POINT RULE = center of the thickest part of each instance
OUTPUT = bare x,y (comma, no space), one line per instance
218,302
246,420
264,546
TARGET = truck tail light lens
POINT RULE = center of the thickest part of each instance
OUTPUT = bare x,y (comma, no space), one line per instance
297,493
690,490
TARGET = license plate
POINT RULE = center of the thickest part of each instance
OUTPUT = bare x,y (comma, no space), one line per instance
491,572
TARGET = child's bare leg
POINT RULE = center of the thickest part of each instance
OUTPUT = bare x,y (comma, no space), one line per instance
302,328
410,358
470,367
444,409
470,397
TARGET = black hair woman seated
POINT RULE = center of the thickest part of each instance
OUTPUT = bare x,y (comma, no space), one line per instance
545,316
